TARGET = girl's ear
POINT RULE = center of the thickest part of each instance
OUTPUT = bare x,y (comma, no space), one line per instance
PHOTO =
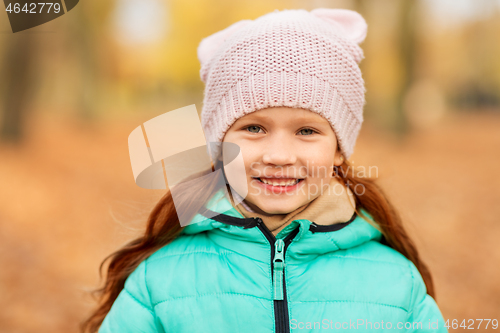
351,23
210,44
338,160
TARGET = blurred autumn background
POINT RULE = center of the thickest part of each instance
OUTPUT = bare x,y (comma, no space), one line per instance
73,89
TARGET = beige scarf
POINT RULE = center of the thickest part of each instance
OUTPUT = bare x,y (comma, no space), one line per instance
335,205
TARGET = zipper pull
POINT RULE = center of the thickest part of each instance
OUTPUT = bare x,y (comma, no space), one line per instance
279,266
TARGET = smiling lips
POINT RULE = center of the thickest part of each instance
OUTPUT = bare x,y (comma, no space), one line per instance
279,181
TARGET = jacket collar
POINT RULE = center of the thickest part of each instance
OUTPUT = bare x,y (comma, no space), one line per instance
230,229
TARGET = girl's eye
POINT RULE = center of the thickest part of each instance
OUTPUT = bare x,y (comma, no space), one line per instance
307,131
304,131
253,129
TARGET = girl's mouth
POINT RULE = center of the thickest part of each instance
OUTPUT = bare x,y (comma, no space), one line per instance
279,184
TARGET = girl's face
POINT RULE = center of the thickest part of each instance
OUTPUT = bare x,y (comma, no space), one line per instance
289,155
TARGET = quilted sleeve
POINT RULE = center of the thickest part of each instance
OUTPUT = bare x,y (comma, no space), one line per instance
132,311
424,314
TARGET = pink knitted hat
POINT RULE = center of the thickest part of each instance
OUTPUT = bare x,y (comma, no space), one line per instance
291,58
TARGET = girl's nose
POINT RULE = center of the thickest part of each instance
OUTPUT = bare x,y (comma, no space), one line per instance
279,153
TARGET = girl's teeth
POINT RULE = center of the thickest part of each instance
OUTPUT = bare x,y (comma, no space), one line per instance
281,183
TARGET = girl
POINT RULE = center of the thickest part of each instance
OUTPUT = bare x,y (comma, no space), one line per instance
296,253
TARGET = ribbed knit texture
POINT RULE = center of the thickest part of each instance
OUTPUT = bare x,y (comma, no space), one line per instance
291,58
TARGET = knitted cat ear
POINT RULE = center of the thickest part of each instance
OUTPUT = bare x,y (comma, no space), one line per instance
352,24
210,44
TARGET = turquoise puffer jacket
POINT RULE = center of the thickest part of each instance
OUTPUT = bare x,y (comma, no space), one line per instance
229,274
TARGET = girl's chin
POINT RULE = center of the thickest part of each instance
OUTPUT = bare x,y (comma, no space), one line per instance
280,212
275,206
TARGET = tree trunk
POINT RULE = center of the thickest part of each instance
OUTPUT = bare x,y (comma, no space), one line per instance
407,42
18,82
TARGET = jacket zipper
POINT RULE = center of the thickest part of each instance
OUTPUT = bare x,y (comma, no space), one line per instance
278,249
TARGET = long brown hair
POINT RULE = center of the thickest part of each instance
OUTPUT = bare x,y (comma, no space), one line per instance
163,226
